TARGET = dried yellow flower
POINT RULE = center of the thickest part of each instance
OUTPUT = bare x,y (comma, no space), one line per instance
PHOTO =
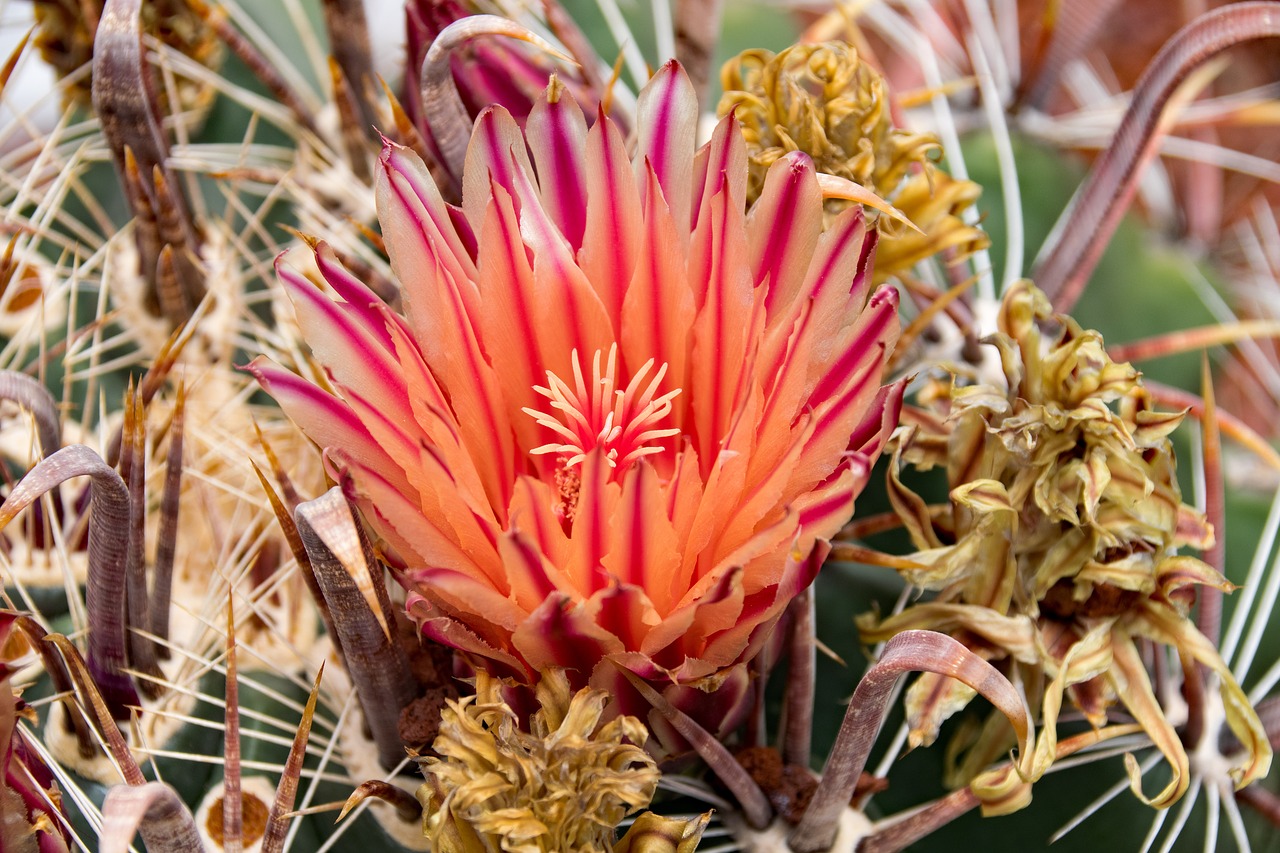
822,99
1059,546
565,785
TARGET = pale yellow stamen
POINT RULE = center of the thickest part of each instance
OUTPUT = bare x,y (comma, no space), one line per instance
622,423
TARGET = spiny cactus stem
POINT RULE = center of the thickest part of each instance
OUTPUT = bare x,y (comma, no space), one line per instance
36,399
896,833
96,705
350,577
11,63
232,799
1074,28
1072,251
283,513
450,124
348,30
124,100
918,824
259,65
142,653
105,593
32,396
1209,615
405,804
354,138
1229,424
167,543
277,823
1262,801
62,684
1193,691
801,683
697,25
407,134
569,34
123,91
910,651
152,381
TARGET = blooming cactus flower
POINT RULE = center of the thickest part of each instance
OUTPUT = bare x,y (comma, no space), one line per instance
620,413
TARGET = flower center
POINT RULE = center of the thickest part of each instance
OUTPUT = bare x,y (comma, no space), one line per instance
622,423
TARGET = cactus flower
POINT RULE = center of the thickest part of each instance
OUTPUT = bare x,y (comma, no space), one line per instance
619,414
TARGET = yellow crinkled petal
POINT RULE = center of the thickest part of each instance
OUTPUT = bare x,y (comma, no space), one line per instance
1016,635
1129,678
564,786
1088,657
1001,791
930,701
653,833
1164,624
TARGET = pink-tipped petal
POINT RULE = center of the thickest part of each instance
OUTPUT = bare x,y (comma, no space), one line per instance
614,229
560,634
783,229
325,419
557,134
646,554
496,154
667,121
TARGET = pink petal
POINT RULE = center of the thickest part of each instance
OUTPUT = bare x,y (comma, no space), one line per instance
865,343
462,595
474,392
495,155
560,281
532,514
761,609
646,554
325,419
418,540
517,318
557,135
826,508
728,321
450,632
560,634
784,378
659,302
725,170
626,610
410,208
765,551
364,305
590,535
783,229
612,240
720,595
666,123
355,356
434,416
532,576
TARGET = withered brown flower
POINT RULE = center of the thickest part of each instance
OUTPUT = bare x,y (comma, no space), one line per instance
824,100
1059,547
563,785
